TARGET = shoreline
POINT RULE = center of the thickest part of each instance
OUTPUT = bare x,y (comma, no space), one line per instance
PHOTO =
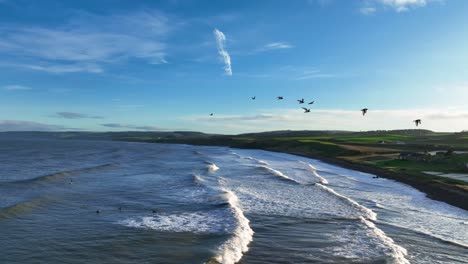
435,191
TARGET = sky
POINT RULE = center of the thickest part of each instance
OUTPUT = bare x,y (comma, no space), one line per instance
167,65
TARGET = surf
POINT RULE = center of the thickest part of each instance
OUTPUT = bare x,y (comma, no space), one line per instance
313,170
233,249
395,251
279,174
369,214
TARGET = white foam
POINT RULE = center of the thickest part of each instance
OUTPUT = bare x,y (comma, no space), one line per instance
214,221
369,214
212,167
198,179
397,252
313,170
279,173
232,250
235,154
257,160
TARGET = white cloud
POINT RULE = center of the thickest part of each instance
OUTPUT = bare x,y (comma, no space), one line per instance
313,74
64,68
88,41
404,5
277,45
16,87
221,41
371,6
367,10
296,119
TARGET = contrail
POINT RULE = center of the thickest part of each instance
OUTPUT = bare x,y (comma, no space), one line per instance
220,40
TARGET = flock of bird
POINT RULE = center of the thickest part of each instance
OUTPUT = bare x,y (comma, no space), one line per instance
307,110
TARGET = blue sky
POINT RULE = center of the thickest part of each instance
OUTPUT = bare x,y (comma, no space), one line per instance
166,65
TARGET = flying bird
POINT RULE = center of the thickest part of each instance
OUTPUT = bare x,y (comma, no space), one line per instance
211,114
253,98
306,110
417,122
364,111
301,101
312,102
280,97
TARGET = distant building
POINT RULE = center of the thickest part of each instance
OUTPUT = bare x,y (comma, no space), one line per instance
414,156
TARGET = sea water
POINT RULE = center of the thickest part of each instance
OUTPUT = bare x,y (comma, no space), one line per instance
64,201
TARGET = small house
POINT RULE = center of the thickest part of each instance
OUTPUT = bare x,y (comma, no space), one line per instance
414,156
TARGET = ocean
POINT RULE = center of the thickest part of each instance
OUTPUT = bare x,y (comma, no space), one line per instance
65,201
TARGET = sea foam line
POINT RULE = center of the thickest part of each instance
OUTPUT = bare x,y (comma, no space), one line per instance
397,252
279,173
257,160
369,213
314,173
233,249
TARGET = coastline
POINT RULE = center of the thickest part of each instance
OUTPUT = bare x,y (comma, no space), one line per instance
435,190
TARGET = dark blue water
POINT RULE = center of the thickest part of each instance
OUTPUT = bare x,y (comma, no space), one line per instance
115,202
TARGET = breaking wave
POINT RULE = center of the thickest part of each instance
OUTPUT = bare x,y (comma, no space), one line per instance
313,170
232,250
279,173
257,160
369,214
396,252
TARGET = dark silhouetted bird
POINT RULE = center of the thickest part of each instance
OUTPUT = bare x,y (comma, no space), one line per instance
280,97
417,122
253,98
364,111
306,110
301,101
211,114
312,102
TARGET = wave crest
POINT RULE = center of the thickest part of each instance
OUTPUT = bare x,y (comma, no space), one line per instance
369,214
314,172
232,250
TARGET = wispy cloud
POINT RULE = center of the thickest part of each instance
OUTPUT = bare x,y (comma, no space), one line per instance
221,41
64,68
18,125
16,87
367,10
404,5
277,45
72,115
313,74
371,6
87,42
133,127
